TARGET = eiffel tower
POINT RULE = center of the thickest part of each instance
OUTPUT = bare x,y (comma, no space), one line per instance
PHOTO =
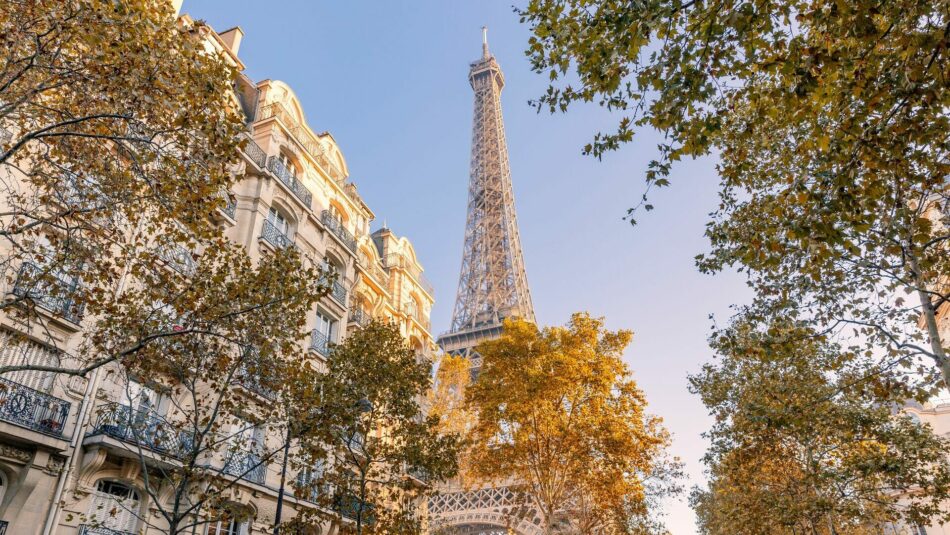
492,282
492,286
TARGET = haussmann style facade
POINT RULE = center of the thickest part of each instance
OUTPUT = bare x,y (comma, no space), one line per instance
60,466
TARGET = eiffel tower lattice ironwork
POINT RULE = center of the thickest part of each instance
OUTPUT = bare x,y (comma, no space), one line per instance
492,286
492,281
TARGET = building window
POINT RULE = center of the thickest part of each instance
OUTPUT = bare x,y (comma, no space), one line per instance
288,164
115,506
18,352
326,326
225,527
279,221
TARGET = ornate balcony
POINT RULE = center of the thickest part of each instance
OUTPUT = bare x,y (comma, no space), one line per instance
360,317
255,153
319,343
304,137
246,465
178,258
86,529
26,407
230,205
374,270
284,175
142,428
55,295
396,260
338,292
306,489
272,235
251,380
349,506
335,226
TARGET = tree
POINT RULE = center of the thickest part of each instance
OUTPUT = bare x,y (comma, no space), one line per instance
220,385
804,443
118,132
383,452
829,120
558,413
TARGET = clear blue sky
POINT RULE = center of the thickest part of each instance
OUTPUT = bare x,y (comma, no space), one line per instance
389,80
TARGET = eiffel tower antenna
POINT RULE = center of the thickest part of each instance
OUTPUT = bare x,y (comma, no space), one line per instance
492,280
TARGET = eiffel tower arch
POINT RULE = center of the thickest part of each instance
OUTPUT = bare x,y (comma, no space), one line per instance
492,286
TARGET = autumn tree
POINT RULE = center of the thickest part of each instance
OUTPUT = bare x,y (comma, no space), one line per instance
560,418
383,453
119,131
803,442
829,121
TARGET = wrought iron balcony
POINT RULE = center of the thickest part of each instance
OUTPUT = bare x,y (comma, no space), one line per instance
272,235
251,380
335,226
319,343
396,260
142,428
337,291
230,205
306,489
349,505
48,291
418,473
284,175
246,465
86,529
178,258
304,137
255,153
26,407
374,270
360,317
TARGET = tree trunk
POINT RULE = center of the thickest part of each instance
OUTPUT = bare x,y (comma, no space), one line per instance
930,318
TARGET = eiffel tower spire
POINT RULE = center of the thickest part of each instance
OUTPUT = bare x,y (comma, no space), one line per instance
492,282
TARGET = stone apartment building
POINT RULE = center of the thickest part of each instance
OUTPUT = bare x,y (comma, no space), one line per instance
59,465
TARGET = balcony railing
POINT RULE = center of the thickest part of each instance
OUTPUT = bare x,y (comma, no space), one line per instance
335,226
272,235
58,299
337,291
142,428
306,489
304,137
178,258
252,380
26,407
360,317
319,343
284,175
422,320
350,507
255,153
86,529
396,260
230,205
246,465
374,270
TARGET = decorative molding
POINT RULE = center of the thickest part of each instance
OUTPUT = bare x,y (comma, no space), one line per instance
55,464
15,453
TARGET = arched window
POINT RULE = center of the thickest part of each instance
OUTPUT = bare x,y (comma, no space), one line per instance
289,164
280,222
226,527
15,352
115,506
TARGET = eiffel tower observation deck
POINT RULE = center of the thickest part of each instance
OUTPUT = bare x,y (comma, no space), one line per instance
492,281
492,286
